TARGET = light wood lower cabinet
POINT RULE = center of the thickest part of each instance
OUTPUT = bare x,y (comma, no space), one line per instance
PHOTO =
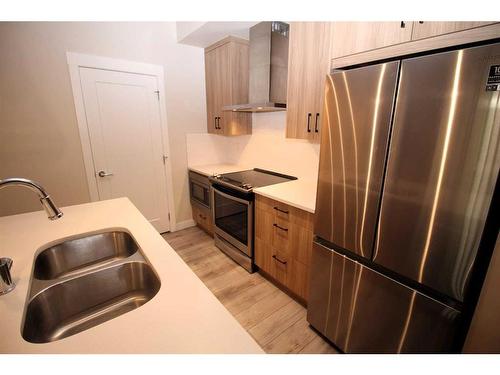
283,244
203,218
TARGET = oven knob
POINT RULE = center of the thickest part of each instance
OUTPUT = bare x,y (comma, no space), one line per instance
247,186
217,176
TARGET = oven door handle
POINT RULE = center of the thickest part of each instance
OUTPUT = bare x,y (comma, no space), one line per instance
230,196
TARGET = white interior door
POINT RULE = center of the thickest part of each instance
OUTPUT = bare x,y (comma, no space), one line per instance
123,119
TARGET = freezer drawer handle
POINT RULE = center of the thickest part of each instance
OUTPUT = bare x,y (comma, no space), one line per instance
279,260
309,122
283,211
277,226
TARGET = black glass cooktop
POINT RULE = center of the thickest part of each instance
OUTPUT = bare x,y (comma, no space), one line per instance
253,178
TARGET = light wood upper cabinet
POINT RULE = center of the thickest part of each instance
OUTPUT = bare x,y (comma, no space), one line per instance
354,37
226,79
308,65
426,29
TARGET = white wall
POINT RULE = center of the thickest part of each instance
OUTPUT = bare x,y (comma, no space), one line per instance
38,129
266,148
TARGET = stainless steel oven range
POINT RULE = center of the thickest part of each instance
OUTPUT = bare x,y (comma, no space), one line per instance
233,211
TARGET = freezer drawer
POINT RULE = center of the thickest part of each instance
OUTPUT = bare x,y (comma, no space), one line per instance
442,168
362,311
354,137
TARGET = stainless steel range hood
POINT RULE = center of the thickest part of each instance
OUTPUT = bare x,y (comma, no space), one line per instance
268,69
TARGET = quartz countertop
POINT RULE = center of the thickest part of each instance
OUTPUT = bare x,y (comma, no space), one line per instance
184,317
300,193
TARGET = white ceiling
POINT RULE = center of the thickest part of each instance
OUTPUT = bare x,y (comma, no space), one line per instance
203,34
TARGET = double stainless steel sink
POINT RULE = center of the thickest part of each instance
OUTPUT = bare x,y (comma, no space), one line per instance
80,283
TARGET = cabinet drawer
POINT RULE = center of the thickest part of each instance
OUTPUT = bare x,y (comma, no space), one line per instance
284,233
283,243
283,268
272,261
282,211
281,235
203,217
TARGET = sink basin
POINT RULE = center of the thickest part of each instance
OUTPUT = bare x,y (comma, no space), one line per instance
71,256
69,307
80,283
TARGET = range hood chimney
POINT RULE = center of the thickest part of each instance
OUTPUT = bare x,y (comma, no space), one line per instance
268,68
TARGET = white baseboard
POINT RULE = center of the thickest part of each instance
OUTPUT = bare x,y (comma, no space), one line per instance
183,225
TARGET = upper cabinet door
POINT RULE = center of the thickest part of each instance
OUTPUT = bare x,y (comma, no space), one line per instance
212,90
354,37
308,65
226,76
427,29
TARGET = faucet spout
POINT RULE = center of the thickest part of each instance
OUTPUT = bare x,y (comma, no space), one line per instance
48,204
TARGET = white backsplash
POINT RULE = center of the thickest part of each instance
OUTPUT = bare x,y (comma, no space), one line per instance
266,148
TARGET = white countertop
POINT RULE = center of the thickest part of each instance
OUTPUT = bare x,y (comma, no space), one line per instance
213,169
298,193
184,317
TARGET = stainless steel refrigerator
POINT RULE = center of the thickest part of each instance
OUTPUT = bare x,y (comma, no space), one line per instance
409,160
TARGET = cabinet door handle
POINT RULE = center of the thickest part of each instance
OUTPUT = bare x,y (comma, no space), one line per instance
309,122
403,24
215,122
279,227
316,125
218,123
283,211
279,260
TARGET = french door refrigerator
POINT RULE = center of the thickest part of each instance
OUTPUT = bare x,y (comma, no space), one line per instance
409,160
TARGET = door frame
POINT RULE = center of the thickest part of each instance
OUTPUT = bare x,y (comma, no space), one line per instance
75,62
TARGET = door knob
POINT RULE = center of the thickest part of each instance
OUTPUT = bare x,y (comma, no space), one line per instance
104,174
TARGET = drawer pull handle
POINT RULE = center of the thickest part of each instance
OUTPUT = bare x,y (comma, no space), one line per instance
277,209
279,260
279,227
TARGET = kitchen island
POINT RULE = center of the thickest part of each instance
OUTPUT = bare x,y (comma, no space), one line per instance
184,317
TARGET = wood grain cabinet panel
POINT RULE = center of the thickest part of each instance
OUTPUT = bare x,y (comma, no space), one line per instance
203,218
354,37
226,79
283,243
427,29
308,65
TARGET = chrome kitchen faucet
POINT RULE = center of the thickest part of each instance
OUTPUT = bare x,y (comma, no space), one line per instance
53,213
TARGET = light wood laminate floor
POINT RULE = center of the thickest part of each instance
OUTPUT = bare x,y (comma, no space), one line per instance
276,321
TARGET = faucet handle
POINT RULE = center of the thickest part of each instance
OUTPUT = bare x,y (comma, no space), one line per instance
6,283
8,262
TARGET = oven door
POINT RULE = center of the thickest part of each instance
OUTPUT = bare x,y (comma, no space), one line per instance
233,219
